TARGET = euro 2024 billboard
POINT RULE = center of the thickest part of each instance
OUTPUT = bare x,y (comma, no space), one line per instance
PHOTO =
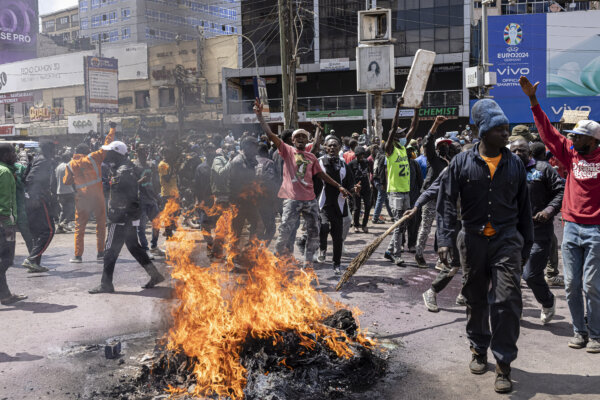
18,30
559,50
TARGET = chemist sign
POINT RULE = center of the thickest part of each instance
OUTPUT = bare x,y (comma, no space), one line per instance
101,77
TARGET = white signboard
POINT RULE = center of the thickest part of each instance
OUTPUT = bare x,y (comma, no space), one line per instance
417,78
375,68
67,69
102,84
83,123
335,64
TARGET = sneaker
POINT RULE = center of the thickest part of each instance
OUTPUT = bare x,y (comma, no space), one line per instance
555,281
155,280
337,270
102,289
378,221
321,256
388,256
344,250
60,229
76,260
421,263
548,313
12,299
157,252
440,266
150,255
593,346
365,229
503,384
430,301
356,230
578,341
412,249
400,262
478,364
33,267
100,257
460,300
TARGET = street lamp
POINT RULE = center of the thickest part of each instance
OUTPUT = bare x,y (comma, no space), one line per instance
253,49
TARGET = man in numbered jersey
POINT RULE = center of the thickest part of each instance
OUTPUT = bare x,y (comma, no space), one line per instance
398,179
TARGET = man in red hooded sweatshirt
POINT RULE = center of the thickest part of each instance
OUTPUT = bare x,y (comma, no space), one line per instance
581,215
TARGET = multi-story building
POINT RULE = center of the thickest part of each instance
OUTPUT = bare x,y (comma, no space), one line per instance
327,51
157,21
508,7
63,24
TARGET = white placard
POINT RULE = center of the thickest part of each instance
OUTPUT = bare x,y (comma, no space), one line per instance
375,68
83,123
417,78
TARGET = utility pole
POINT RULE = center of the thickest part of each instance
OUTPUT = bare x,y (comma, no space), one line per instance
180,76
288,63
100,37
369,98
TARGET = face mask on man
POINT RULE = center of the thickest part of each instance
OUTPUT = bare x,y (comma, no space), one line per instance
402,142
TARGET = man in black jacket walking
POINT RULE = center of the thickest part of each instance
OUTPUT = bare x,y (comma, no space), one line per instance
41,204
546,190
494,242
124,213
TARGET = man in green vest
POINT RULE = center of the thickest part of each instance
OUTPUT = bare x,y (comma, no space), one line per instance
8,220
398,179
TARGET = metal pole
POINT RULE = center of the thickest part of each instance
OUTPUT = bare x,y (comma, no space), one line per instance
284,48
378,98
254,50
484,43
370,133
101,36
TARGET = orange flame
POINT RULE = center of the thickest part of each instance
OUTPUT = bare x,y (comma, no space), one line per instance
218,311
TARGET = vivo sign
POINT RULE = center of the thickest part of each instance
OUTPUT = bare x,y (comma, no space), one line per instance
513,71
559,110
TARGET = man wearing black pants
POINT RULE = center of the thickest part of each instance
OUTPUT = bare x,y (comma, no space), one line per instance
546,189
41,204
495,241
360,170
124,214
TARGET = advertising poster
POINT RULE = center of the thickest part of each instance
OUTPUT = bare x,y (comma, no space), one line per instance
375,68
101,84
18,30
559,50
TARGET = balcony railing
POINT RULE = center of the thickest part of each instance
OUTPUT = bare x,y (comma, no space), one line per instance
349,102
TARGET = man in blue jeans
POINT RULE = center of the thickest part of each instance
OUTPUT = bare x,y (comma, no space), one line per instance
581,213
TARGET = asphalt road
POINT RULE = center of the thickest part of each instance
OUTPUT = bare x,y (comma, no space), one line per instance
49,342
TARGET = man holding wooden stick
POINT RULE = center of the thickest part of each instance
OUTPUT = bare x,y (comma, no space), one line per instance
398,179
494,242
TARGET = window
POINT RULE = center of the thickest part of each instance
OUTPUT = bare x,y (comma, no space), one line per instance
142,99
95,4
126,33
83,6
114,36
9,111
104,36
49,25
84,23
26,106
112,17
96,21
125,14
79,104
104,19
64,20
58,103
66,36
166,97
94,38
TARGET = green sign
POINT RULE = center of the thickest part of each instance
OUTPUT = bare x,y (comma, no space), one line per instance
334,114
435,111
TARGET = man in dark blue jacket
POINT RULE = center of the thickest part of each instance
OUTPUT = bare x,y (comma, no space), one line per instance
546,189
495,240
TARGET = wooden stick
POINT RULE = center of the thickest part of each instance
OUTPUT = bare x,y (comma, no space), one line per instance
364,255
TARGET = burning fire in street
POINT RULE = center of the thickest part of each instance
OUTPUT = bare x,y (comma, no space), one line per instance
222,317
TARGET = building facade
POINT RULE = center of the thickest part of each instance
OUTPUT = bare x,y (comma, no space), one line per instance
63,23
156,21
327,50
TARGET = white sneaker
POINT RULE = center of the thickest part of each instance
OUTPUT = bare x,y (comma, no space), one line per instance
548,313
321,257
150,255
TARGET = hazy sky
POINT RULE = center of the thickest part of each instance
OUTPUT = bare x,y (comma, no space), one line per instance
47,6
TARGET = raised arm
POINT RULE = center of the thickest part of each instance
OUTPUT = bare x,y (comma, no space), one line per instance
414,124
318,139
258,109
389,143
557,143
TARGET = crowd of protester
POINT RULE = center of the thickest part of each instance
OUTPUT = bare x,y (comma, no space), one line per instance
492,196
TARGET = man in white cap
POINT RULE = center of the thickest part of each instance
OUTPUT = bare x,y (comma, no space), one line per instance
124,212
581,213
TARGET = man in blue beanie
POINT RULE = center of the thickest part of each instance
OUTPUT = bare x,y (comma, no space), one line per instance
495,239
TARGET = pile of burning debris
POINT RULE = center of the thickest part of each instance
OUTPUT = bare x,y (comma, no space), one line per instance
267,335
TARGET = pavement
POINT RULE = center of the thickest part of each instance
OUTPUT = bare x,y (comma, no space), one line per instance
51,345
